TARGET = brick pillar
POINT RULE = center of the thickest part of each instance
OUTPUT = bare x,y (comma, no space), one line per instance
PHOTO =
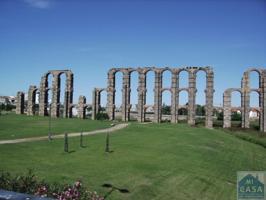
55,107
141,96
191,97
31,100
245,100
82,107
174,96
111,95
209,99
158,97
43,97
20,103
227,109
126,96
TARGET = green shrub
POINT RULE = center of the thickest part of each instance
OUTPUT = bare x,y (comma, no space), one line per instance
236,116
102,116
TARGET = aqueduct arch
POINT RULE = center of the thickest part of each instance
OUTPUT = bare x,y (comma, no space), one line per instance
245,91
43,94
158,89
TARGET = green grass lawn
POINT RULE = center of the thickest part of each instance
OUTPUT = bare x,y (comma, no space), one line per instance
14,126
152,161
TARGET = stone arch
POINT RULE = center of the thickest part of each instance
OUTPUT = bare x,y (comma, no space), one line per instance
209,92
96,101
166,71
32,96
55,104
142,92
133,93
180,109
227,105
245,84
165,116
101,90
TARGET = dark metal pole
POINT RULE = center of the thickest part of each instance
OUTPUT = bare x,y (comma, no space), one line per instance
50,119
107,143
66,143
81,139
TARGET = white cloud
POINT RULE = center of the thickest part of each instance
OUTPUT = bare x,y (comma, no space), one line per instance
42,4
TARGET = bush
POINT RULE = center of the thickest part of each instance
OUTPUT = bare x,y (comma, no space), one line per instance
102,116
236,116
29,184
220,116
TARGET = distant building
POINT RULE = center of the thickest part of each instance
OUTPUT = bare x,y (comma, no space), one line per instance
7,100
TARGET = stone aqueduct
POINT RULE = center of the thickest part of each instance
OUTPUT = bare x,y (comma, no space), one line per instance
54,105
175,90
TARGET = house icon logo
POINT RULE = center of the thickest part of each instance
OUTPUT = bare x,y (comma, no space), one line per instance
251,186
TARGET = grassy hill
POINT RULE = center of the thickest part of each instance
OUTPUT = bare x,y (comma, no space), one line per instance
14,126
152,161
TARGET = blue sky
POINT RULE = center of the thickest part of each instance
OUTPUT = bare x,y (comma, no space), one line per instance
89,37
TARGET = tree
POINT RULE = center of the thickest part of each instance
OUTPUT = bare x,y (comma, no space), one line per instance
200,110
182,111
166,110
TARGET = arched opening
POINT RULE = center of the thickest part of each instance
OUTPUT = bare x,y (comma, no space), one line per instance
166,78
49,100
88,111
62,84
134,79
254,113
254,79
118,94
183,106
236,111
149,104
166,106
36,102
200,97
102,114
183,79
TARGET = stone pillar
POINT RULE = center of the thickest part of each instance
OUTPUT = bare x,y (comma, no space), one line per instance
158,96
55,107
31,100
126,96
263,101
209,99
82,107
227,109
43,97
191,97
245,100
93,115
111,95
174,96
20,103
141,96
95,102
68,98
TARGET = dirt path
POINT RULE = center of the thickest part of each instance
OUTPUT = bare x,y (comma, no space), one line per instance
32,139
